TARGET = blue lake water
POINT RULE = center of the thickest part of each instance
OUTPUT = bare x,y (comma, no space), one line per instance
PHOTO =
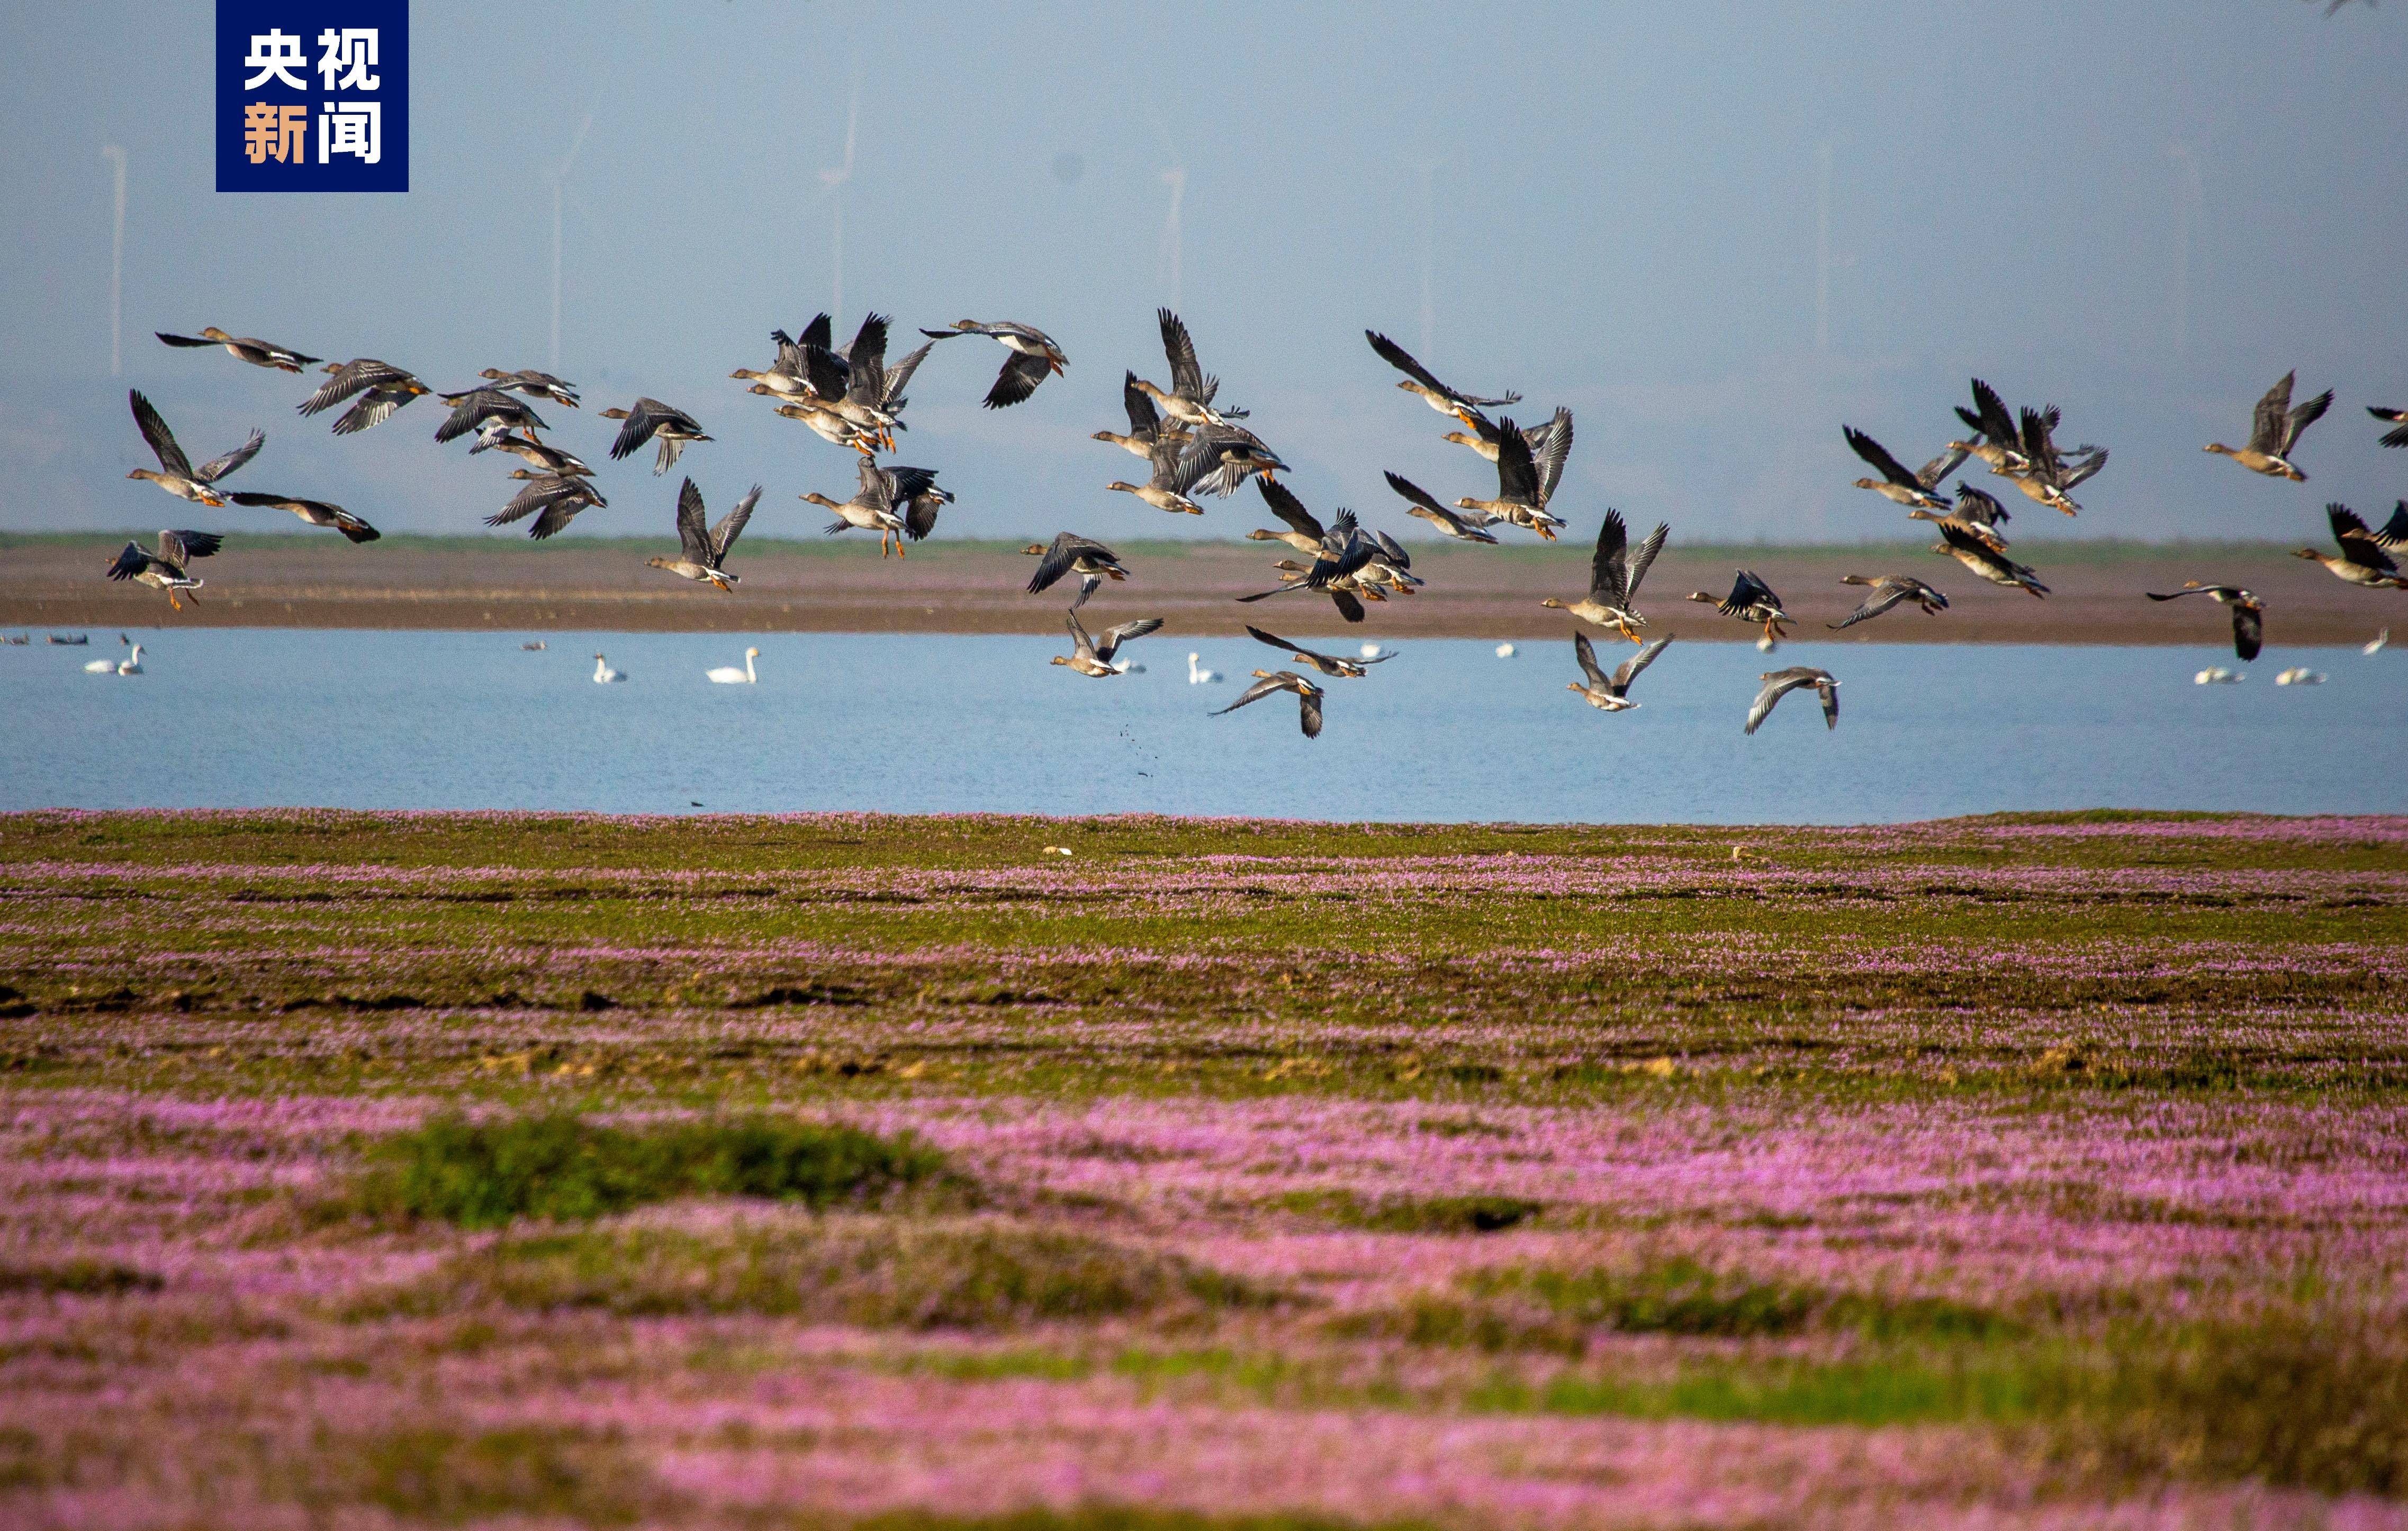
239,717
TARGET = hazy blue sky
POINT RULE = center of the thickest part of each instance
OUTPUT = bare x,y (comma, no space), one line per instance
1622,216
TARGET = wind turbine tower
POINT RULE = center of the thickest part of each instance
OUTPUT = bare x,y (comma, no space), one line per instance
834,180
115,155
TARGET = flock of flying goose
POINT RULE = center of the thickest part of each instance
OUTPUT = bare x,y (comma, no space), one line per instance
1193,447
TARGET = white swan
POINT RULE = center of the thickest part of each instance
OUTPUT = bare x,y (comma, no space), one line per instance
2300,676
2380,640
1505,651
101,666
131,665
2218,676
133,662
728,675
603,673
1197,675
1373,650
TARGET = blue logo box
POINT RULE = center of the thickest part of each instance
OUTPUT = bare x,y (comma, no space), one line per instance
313,97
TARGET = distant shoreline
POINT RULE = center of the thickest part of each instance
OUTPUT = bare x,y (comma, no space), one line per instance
280,580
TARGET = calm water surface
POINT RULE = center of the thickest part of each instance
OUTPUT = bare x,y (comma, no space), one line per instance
242,718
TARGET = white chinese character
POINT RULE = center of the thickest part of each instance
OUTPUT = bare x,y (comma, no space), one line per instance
357,128
276,55
352,49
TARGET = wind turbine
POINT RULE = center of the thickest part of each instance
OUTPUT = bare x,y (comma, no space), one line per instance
1176,179
559,175
1168,254
115,155
834,180
1823,248
2187,198
1425,168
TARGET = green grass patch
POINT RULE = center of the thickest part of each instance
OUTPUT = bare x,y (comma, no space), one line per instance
871,1272
447,1477
2316,1403
76,1277
1472,1214
484,1175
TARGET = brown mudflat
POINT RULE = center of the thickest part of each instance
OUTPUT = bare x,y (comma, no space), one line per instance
1491,592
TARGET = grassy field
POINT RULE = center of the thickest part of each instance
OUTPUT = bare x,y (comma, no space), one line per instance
467,1169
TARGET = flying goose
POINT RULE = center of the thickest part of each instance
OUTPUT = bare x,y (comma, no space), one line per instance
472,407
1392,566
1987,561
383,387
1977,510
1419,502
1896,484
1485,433
1779,684
2049,473
1616,570
315,512
872,398
1034,358
541,385
2396,417
651,420
1175,472
243,348
1610,693
1995,439
1341,552
1307,697
1889,590
872,505
2274,432
1751,600
919,510
703,551
1071,553
1437,395
827,422
1337,665
1189,398
1981,530
2362,559
558,495
1094,656
1226,456
1304,533
1146,427
165,569
1523,485
2248,612
175,473
536,454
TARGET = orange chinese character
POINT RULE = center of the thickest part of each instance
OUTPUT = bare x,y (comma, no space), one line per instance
259,131
274,131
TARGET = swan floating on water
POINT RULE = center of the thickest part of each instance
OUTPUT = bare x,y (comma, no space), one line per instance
2299,675
533,647
1505,651
2218,676
1371,650
603,673
1198,675
130,665
2380,640
728,675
